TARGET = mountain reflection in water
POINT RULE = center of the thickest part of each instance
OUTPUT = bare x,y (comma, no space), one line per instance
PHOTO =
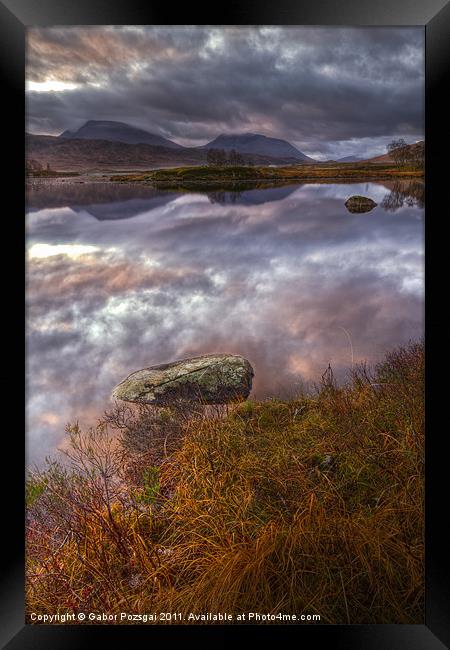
122,277
106,201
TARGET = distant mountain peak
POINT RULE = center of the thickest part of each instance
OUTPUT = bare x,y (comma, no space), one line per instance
108,123
349,159
256,143
118,132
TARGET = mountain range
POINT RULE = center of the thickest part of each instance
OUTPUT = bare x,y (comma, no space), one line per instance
100,144
250,143
109,145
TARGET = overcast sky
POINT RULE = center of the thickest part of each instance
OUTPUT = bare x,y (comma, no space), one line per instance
332,92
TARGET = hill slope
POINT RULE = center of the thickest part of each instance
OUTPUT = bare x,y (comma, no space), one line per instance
387,158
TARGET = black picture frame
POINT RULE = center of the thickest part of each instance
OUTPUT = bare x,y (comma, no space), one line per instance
434,15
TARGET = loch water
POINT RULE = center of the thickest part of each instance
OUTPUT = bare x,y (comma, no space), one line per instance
120,277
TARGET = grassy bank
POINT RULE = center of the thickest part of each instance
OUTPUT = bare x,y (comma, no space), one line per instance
308,506
192,177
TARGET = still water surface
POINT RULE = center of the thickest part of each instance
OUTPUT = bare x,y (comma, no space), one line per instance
123,277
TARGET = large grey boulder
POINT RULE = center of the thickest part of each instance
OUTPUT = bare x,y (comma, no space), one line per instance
359,204
209,379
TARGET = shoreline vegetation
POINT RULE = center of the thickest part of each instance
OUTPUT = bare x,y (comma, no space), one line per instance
312,505
51,173
228,176
217,176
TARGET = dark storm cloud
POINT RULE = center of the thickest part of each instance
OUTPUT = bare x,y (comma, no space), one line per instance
331,90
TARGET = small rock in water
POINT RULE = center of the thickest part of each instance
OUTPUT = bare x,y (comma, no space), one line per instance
209,379
360,204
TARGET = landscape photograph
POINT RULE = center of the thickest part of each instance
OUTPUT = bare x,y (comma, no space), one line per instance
224,325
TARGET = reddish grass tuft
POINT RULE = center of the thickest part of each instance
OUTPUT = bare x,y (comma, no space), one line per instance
313,505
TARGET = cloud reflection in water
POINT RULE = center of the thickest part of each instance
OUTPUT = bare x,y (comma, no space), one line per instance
275,279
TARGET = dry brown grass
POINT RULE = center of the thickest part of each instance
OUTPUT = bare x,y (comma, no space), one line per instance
222,177
313,505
